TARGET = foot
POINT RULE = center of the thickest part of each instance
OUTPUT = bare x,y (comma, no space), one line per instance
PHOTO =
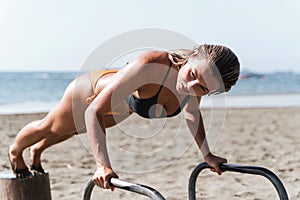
22,174
37,169
21,171
35,156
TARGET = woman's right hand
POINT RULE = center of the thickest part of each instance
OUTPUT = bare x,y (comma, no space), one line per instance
102,177
214,162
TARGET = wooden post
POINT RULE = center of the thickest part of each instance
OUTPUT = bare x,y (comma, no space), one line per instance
34,188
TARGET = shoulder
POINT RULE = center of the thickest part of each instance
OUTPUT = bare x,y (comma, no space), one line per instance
147,62
160,57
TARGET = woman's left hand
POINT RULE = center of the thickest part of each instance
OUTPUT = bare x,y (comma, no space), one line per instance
214,162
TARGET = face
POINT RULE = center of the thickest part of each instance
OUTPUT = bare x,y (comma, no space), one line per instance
196,79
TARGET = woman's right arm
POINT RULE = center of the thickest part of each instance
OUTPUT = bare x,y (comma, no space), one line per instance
97,139
127,80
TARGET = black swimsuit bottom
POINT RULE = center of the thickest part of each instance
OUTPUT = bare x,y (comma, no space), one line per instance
147,107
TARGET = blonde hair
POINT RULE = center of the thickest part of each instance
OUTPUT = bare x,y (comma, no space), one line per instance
218,56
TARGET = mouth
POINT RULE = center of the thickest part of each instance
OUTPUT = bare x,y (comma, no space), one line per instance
183,89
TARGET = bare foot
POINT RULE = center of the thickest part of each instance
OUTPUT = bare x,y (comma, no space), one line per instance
36,166
18,165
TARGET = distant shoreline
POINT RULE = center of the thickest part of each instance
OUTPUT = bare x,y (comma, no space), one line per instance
223,102
254,101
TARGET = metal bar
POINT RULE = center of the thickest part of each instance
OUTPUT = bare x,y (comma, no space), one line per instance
124,185
241,169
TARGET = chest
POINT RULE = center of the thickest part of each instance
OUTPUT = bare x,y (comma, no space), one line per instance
153,101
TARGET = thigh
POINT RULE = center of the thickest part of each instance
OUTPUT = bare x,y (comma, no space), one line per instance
68,116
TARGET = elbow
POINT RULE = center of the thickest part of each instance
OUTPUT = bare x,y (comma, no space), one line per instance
192,115
93,112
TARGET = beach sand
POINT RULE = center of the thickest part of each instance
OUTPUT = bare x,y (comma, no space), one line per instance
162,154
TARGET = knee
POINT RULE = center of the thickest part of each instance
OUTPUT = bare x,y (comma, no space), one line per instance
14,150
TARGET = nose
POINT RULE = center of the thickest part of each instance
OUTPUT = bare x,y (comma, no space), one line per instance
193,83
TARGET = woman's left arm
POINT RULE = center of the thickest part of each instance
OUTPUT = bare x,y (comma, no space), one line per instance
196,126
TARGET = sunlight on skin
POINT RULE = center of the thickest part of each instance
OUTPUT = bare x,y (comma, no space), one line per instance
195,75
211,78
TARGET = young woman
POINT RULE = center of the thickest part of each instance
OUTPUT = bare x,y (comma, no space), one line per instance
156,84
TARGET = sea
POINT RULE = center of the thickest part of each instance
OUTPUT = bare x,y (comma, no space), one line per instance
32,92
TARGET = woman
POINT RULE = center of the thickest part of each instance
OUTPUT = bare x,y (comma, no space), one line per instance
175,80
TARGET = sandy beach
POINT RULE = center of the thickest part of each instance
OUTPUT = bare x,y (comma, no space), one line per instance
162,154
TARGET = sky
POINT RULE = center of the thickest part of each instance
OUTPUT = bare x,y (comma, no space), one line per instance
59,35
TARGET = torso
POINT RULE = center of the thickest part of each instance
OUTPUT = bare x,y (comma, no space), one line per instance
169,99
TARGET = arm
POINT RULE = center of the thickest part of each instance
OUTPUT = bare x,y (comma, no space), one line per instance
196,126
97,138
127,80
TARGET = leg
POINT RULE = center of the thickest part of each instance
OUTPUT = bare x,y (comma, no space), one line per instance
37,149
41,133
30,134
57,126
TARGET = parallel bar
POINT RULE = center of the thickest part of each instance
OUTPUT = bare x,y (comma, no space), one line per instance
241,169
121,184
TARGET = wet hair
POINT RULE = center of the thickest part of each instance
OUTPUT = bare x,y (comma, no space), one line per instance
220,58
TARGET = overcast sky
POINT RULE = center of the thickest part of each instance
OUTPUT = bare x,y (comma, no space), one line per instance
60,34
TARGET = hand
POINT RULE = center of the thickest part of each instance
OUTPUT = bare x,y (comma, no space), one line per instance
102,177
214,162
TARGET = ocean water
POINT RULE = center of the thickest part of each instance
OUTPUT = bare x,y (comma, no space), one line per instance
27,87
25,92
264,84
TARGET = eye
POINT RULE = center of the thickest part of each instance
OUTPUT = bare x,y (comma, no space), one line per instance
204,89
193,75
